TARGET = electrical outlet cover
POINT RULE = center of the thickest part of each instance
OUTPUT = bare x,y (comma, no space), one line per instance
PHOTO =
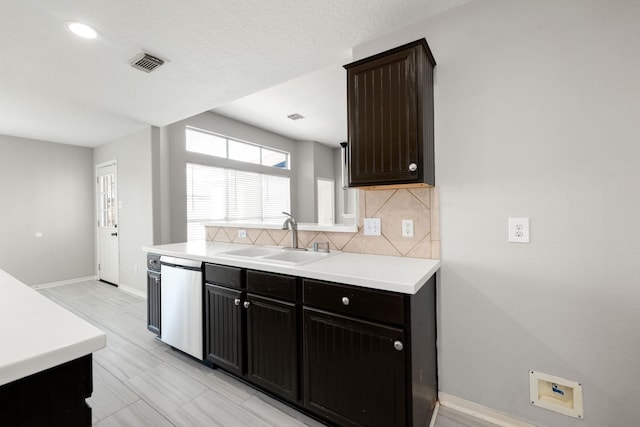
519,230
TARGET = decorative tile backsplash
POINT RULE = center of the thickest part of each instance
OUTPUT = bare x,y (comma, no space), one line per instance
391,206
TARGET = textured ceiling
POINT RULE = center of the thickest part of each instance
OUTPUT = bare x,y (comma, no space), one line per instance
57,87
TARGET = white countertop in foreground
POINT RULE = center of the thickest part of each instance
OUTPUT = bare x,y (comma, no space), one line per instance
37,334
398,274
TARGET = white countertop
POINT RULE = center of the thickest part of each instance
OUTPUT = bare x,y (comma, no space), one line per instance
37,334
398,274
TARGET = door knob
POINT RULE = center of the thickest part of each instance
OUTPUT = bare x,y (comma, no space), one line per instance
413,167
345,300
236,301
114,234
398,345
247,304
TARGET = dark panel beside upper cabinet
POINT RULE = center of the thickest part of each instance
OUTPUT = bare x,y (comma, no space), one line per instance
390,117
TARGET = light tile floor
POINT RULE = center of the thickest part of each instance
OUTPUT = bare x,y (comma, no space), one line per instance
140,381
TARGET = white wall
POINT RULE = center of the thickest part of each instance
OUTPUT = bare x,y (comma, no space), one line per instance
135,191
537,108
45,188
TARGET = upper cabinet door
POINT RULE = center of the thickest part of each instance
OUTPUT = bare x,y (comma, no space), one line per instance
390,117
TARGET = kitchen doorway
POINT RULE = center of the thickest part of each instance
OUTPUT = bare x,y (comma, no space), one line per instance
107,210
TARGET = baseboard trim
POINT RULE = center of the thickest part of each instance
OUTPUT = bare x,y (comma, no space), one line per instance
479,411
133,291
64,282
434,415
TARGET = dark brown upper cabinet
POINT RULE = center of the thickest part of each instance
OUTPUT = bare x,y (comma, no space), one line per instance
390,118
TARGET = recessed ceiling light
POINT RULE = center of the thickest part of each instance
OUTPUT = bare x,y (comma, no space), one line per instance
82,30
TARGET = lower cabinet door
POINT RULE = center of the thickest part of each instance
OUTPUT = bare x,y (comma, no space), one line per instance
354,371
224,331
272,345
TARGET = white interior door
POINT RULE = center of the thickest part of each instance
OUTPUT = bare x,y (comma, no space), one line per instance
326,202
107,208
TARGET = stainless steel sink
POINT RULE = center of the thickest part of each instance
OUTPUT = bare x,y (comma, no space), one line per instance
276,255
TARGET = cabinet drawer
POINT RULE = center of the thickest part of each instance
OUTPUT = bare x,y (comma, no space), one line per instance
381,306
272,285
231,277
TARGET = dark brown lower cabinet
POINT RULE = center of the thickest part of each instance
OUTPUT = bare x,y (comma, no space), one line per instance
224,329
349,355
272,351
51,398
353,374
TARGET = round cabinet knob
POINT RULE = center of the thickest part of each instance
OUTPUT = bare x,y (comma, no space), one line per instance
236,301
345,300
413,167
398,345
247,304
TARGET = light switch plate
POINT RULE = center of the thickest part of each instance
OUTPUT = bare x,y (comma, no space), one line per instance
372,226
519,230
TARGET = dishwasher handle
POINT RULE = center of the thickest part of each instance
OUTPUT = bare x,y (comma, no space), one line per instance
186,264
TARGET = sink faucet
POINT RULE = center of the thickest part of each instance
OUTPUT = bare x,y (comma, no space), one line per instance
290,223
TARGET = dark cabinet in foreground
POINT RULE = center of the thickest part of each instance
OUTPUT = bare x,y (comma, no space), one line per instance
51,398
390,117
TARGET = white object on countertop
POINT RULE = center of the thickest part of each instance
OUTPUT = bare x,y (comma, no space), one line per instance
38,334
389,273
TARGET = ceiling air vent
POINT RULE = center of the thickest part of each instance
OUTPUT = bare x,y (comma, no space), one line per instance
146,62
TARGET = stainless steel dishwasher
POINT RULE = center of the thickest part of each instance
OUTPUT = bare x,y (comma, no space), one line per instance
181,305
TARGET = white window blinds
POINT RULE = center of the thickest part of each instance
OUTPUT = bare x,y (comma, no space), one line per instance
221,194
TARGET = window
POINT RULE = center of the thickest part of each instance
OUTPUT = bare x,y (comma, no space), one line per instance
222,194
221,189
211,144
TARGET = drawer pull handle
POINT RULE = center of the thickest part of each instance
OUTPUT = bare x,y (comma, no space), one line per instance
236,301
413,167
345,300
247,304
398,345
